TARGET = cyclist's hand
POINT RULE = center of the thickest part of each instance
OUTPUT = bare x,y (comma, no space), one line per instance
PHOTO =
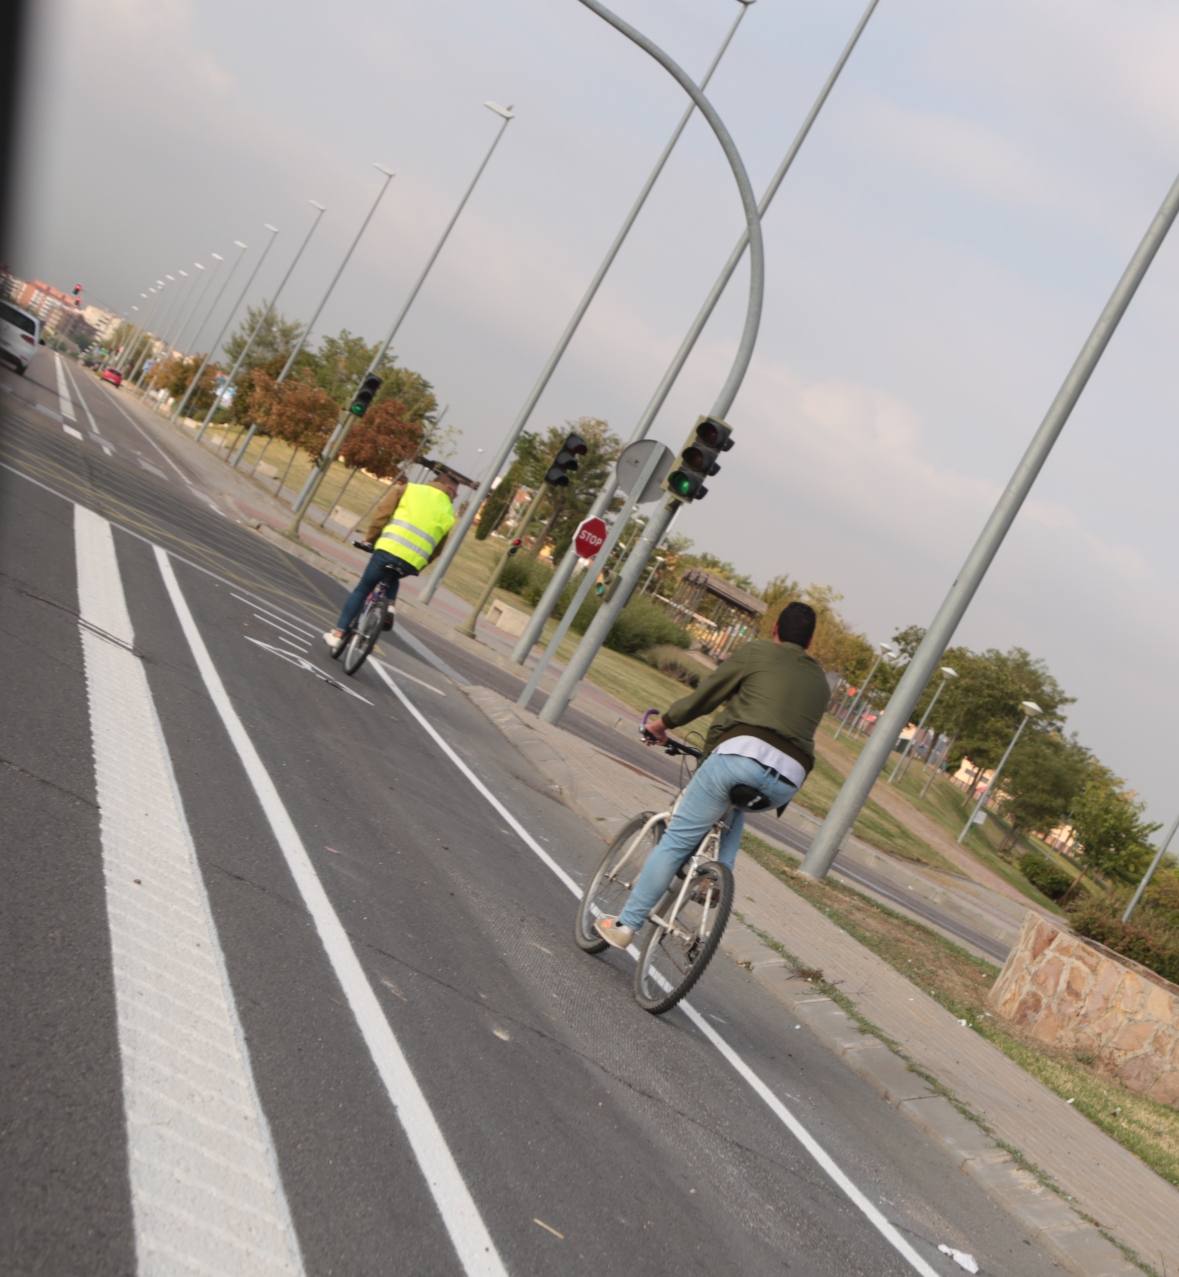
656,730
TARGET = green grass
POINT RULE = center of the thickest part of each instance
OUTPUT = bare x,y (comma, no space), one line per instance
960,982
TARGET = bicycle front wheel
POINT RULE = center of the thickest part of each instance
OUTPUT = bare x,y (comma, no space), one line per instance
363,640
614,877
674,956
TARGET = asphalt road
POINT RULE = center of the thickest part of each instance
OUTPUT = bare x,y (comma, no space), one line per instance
288,982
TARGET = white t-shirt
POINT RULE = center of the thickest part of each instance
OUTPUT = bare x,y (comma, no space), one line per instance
751,747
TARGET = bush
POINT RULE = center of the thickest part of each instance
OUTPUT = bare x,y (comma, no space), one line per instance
667,660
643,624
1146,938
587,611
1046,876
525,576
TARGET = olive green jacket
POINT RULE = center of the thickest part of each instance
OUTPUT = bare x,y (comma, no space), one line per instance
774,691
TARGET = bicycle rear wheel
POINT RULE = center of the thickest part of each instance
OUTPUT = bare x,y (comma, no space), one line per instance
364,638
608,889
674,958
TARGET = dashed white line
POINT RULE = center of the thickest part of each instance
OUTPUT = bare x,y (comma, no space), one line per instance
82,400
274,625
278,613
817,1152
184,478
217,1204
74,434
468,1233
63,391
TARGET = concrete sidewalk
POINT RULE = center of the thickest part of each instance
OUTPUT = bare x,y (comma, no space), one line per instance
1104,1181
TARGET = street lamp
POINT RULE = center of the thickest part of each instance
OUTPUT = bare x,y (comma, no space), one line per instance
946,674
324,461
165,318
885,650
1030,710
505,449
144,335
178,411
198,296
200,328
306,333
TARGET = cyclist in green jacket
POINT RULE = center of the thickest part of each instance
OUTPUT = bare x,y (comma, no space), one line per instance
774,695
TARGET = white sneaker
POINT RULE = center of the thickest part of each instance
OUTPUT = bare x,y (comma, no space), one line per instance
613,934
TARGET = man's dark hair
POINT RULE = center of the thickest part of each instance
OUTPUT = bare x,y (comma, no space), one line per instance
796,624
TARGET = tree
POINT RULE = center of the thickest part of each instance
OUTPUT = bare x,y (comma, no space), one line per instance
383,440
1112,837
295,411
272,347
1043,776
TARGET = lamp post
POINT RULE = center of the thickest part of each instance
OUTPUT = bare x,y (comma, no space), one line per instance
165,318
270,305
518,426
1149,874
659,522
200,328
138,328
647,545
1030,710
306,333
324,461
198,296
947,673
185,316
885,650
178,411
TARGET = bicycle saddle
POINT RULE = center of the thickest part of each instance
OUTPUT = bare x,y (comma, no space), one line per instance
748,798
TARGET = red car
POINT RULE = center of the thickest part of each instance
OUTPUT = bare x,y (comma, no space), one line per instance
113,375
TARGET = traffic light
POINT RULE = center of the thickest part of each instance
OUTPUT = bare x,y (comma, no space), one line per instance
365,395
565,462
77,289
697,459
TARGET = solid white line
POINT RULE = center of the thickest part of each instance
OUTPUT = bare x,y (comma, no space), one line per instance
156,446
63,391
412,678
76,434
218,1203
812,1146
278,613
82,400
468,1233
274,625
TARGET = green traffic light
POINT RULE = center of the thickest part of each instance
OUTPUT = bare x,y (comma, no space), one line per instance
681,484
357,410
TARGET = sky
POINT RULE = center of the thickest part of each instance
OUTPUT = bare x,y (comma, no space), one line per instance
935,259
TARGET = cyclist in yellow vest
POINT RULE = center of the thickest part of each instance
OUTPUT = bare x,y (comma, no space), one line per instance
409,525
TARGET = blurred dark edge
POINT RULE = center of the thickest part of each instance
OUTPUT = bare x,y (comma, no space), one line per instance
14,31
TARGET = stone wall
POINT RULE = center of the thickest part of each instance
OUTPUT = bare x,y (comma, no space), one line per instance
1077,995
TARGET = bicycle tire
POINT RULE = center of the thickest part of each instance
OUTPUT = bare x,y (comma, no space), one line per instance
597,898
363,639
658,992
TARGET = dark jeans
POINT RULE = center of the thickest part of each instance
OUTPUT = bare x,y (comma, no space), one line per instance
382,565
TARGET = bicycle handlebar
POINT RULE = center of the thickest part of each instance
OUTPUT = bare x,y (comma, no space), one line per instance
671,746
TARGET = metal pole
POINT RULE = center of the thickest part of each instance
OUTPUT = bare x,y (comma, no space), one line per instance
595,565
932,771
186,315
149,311
199,295
200,328
324,461
920,728
982,798
306,333
1146,877
178,411
564,569
658,524
859,696
270,305
522,418
165,317
858,784
468,628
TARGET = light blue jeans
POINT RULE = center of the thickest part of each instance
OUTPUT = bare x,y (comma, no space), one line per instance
705,801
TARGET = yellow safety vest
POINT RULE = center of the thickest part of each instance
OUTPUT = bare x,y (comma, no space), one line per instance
424,515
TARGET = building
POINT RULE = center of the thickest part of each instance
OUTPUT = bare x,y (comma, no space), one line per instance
717,613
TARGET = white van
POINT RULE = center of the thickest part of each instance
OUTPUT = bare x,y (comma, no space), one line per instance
20,335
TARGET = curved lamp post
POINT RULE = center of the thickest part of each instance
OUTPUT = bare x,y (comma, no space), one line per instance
1030,710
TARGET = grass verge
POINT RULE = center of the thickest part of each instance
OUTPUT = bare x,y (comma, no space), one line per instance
960,982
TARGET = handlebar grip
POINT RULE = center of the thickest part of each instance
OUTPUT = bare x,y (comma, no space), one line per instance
366,546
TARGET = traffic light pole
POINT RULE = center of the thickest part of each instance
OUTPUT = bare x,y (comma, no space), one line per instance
468,627
518,426
564,569
324,461
606,615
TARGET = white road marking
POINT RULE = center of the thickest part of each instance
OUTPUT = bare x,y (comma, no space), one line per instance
291,642
279,614
412,678
468,1233
63,391
82,400
206,1192
40,407
150,440
298,660
74,434
147,465
818,1153
274,625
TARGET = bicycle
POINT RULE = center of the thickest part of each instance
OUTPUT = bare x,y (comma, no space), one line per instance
688,923
358,642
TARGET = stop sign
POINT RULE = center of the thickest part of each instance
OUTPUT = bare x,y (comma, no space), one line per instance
590,535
